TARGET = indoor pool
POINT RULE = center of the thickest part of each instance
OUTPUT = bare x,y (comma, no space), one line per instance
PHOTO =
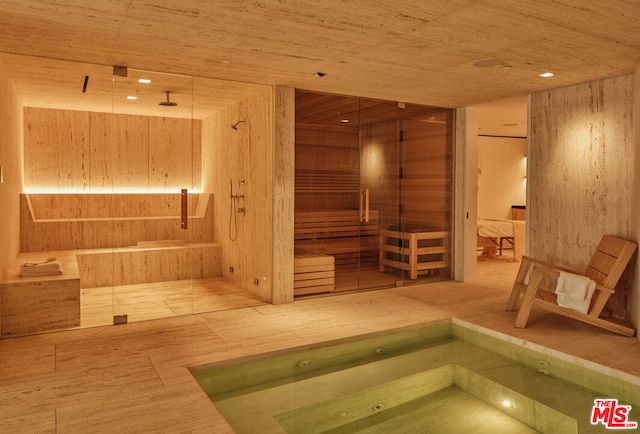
444,377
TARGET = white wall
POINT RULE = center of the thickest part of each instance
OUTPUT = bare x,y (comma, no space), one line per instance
501,176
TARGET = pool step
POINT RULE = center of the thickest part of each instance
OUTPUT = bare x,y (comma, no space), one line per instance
329,401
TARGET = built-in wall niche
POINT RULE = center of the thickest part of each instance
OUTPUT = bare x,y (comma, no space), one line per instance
79,151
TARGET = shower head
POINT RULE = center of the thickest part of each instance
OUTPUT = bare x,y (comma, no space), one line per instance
168,102
235,126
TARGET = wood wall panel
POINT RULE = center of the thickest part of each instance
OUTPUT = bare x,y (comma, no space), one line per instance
334,151
56,149
72,234
580,170
106,206
170,152
120,151
11,139
324,156
283,194
68,150
244,153
580,176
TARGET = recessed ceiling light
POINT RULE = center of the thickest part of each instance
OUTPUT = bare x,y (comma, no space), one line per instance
506,403
132,97
546,74
144,80
226,61
344,121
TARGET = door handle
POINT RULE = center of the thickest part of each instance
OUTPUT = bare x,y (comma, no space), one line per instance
364,204
184,214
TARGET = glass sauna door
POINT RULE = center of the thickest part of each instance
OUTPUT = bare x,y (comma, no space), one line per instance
152,162
405,170
373,193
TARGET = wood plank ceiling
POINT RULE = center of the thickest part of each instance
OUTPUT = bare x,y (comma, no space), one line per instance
410,50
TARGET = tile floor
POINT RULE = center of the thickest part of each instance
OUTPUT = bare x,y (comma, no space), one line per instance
134,379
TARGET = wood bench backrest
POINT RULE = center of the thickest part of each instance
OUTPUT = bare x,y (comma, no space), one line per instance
610,260
310,225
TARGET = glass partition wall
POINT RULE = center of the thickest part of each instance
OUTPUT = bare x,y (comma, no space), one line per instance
373,193
120,169
155,178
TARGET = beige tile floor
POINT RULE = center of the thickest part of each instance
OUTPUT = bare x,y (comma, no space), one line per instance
133,378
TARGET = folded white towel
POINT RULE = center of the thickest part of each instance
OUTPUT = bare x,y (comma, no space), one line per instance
37,269
574,291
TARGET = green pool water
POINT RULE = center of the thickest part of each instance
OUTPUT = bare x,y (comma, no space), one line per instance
444,377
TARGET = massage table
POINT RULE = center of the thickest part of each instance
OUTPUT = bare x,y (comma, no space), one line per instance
513,231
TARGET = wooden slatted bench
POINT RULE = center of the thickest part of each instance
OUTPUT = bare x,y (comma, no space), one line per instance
313,273
414,250
338,233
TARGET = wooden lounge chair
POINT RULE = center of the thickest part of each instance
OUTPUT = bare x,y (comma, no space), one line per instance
537,281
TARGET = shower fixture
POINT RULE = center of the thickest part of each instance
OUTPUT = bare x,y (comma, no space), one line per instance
233,211
235,126
168,102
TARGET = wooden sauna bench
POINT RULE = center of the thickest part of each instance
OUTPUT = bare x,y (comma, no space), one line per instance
338,233
415,249
313,273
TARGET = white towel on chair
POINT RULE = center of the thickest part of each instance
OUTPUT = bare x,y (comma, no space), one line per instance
575,291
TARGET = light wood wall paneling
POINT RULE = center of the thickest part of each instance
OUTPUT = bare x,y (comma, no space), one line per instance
258,142
581,173
171,152
83,151
56,149
283,194
65,234
11,160
244,153
119,151
11,140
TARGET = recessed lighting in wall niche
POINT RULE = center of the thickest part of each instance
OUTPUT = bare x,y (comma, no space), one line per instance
546,74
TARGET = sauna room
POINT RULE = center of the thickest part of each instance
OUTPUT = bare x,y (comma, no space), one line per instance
373,193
